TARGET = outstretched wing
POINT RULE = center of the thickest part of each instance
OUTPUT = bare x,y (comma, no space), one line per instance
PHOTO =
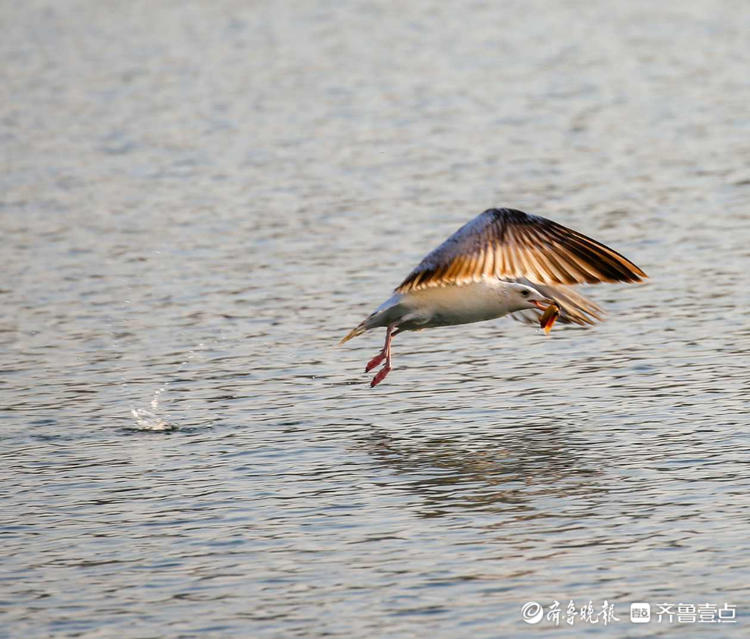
511,244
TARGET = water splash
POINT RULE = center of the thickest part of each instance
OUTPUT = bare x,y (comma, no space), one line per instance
155,400
146,420
156,419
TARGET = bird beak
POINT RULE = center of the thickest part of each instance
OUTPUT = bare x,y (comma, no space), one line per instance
542,306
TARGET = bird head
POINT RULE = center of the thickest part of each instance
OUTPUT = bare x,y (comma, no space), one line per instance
525,297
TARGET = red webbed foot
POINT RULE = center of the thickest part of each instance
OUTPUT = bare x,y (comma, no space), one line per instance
375,361
380,376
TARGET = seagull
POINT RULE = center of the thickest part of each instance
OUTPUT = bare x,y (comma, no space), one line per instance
502,262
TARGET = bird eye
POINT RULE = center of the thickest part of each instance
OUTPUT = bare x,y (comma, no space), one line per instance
525,293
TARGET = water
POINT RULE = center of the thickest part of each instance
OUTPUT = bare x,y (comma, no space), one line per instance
199,199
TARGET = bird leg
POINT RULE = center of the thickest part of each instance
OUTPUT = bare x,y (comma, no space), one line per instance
375,361
384,354
383,351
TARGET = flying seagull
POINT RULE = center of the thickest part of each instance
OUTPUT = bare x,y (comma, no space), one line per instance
503,261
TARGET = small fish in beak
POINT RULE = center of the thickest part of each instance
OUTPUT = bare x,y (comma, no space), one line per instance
549,317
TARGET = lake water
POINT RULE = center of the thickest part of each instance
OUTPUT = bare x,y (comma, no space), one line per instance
198,200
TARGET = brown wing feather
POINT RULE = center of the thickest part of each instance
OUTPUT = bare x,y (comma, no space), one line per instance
511,244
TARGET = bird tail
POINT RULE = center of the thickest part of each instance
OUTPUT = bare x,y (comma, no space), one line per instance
385,314
357,330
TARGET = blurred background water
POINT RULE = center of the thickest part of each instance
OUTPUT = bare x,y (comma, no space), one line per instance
198,199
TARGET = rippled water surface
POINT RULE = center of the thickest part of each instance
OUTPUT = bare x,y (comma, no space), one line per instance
199,199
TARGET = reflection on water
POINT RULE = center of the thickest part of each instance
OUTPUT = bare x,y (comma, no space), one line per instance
499,474
198,201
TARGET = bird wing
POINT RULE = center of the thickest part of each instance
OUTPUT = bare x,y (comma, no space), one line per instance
511,244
